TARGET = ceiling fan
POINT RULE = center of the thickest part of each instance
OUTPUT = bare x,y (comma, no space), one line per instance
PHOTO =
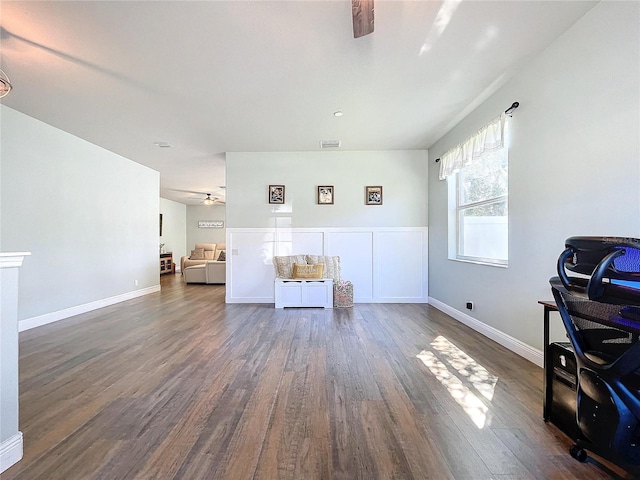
208,200
362,15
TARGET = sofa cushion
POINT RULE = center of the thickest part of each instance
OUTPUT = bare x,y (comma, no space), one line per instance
307,271
331,265
197,254
222,257
209,255
195,274
216,254
206,246
284,264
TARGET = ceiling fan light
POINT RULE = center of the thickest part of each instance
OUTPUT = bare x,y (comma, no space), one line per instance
208,200
5,84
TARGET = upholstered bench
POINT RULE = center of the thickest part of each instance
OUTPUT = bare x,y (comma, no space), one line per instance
328,291
304,292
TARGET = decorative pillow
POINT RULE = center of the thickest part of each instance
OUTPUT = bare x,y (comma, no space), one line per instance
331,265
307,271
284,264
223,256
208,255
197,254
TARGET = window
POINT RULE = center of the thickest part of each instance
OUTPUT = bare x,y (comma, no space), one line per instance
478,222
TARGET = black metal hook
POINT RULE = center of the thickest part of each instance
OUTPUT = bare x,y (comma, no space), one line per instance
513,106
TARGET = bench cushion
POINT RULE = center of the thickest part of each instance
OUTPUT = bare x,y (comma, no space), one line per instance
331,265
284,264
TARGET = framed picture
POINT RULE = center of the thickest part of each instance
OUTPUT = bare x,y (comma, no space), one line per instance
325,195
373,196
276,193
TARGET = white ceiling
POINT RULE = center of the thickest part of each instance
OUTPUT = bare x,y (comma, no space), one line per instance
212,77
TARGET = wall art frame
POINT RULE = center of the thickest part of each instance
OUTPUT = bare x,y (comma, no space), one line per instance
325,195
373,195
210,224
276,194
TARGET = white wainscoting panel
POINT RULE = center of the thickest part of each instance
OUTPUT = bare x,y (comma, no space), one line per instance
250,270
355,250
405,252
386,265
296,242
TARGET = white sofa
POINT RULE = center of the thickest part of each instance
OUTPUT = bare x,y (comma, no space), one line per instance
204,265
210,272
211,251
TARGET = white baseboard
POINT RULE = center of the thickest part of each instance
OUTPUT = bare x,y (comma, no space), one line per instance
10,451
249,300
532,354
355,300
40,320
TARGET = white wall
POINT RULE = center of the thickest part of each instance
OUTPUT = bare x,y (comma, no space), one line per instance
401,173
174,227
195,213
89,217
574,169
375,243
10,437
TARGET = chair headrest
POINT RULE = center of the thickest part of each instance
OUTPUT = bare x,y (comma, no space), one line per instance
605,264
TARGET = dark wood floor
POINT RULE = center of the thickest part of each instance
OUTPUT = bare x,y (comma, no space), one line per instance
179,385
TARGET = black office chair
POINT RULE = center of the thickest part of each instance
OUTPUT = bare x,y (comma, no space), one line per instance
601,315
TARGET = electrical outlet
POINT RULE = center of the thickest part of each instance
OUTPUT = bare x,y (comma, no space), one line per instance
469,305
135,283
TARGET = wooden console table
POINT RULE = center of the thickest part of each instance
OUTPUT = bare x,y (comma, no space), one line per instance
166,263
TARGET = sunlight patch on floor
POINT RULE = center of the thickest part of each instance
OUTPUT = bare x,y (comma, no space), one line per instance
469,371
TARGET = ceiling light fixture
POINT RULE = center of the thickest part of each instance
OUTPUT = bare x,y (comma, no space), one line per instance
208,200
163,144
338,114
5,84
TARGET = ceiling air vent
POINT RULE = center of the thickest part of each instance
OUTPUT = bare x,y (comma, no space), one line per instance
330,143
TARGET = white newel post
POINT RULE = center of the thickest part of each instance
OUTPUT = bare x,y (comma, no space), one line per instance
10,436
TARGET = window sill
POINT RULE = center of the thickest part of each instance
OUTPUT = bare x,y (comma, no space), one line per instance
480,262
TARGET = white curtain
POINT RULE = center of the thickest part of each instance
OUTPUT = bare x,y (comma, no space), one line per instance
488,139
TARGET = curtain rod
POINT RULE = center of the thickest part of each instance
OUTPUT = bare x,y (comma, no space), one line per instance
508,111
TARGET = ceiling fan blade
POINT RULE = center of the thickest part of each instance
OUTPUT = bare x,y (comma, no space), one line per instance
187,191
362,14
